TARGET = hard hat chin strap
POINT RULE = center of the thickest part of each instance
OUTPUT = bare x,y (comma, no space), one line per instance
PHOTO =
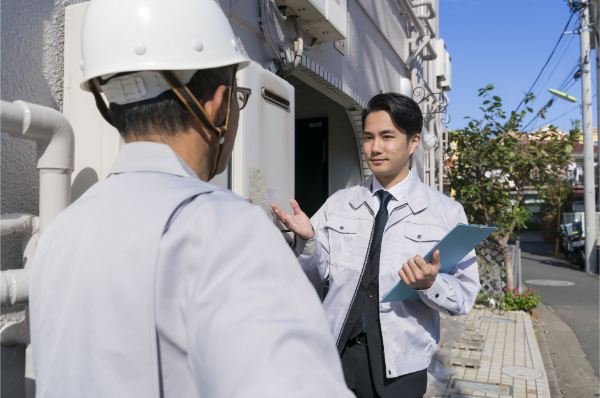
197,110
100,104
191,103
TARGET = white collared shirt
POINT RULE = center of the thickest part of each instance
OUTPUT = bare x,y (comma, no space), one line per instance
397,192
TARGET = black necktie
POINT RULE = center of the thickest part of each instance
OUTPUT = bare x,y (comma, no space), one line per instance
380,222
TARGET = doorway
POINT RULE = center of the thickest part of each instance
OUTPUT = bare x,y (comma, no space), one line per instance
312,164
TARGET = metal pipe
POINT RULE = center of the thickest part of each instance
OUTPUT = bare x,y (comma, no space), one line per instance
425,19
414,19
427,4
55,144
588,140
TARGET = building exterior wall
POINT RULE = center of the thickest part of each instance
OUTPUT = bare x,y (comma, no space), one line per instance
32,70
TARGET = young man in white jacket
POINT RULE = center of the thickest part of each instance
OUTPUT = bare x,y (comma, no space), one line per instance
365,239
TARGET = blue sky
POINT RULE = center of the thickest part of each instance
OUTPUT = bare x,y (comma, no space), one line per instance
506,43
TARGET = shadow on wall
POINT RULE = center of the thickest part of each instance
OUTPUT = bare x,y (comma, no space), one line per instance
84,180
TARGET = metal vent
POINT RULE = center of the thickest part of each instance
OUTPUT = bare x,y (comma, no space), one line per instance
274,98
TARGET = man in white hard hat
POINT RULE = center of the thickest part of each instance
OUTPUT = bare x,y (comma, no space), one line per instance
155,283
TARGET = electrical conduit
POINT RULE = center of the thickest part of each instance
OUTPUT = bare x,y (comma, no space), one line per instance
414,19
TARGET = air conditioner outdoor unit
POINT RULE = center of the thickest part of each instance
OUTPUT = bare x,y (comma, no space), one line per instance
443,66
325,20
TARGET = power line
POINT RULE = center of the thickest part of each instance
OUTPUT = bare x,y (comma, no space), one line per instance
549,58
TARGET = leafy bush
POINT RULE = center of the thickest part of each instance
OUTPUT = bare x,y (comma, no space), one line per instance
483,298
515,301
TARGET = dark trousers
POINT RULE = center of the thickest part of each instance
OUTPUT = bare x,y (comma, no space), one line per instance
359,376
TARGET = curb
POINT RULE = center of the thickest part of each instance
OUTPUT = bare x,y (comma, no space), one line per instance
548,365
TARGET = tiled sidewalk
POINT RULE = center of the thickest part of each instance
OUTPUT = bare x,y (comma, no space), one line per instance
505,344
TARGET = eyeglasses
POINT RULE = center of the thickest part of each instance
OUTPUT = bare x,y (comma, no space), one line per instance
241,94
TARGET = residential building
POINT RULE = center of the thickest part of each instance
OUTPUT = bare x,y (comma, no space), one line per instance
353,49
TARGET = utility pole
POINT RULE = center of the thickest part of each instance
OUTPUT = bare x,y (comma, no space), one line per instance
596,31
588,139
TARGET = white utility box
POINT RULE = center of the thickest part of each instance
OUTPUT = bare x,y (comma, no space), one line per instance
265,138
325,20
97,143
443,66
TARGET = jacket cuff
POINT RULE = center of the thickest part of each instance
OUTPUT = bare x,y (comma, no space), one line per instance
305,247
437,293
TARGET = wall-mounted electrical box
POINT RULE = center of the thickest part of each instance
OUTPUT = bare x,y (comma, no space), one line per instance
264,147
97,143
325,20
443,66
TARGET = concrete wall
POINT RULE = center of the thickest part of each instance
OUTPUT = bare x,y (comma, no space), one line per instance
344,164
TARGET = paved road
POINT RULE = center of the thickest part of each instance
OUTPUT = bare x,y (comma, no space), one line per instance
577,305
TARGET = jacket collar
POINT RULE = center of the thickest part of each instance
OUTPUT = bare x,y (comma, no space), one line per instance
150,157
414,195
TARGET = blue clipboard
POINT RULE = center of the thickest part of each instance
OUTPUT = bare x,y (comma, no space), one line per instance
453,248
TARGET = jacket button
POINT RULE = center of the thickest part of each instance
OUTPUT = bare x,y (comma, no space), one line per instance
418,236
389,372
341,227
370,294
351,320
437,295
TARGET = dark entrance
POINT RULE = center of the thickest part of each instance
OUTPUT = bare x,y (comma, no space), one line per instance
312,165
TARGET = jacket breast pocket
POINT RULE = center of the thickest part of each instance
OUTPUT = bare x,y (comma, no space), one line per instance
424,236
343,240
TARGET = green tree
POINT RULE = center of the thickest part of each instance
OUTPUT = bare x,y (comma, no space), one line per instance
493,162
554,196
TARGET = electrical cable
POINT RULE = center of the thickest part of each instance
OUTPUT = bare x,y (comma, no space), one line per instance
549,58
558,61
278,13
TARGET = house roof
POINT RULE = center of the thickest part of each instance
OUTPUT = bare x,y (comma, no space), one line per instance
579,149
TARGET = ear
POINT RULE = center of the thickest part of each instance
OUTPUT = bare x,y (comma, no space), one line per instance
414,143
213,104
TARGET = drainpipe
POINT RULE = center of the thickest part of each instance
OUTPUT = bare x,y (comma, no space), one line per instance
55,142
14,283
55,145
414,19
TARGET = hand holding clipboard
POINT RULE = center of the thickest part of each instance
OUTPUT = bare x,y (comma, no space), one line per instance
453,248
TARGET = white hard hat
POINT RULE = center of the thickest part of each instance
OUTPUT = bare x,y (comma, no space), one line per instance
152,35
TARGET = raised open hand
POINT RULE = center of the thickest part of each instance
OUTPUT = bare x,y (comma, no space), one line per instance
298,223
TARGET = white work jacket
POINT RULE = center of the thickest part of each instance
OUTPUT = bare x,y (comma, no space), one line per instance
343,226
155,283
